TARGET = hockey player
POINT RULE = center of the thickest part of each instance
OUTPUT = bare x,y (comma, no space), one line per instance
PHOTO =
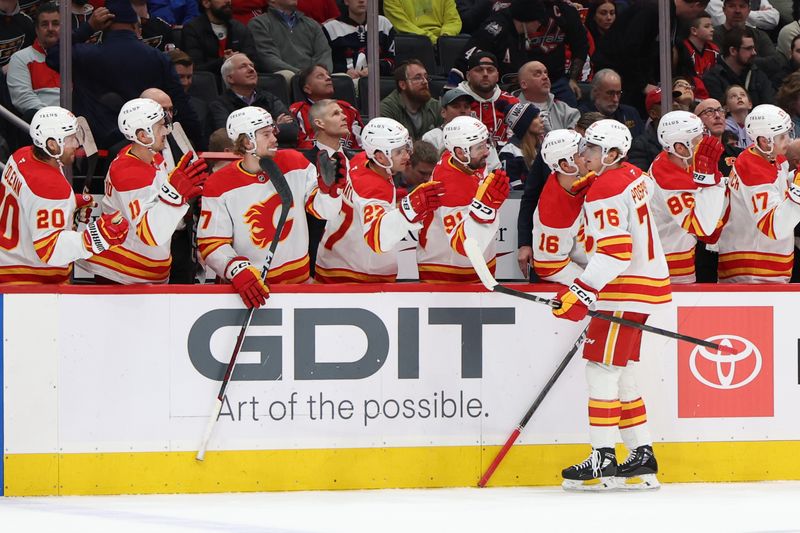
359,241
757,243
152,200
688,192
626,276
469,206
240,208
37,244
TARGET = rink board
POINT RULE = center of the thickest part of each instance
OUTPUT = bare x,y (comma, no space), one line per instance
369,387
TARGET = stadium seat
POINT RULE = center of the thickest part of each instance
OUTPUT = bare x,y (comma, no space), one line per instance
204,86
274,84
387,85
436,85
408,46
450,47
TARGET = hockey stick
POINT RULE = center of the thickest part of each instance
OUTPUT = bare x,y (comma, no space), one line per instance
90,148
515,434
182,140
476,258
278,180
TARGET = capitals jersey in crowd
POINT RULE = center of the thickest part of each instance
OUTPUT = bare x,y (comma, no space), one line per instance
305,137
36,241
239,213
16,32
559,239
348,40
757,242
684,212
359,240
440,253
626,263
492,112
132,187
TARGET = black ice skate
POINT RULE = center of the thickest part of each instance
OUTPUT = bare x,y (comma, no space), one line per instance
597,472
638,472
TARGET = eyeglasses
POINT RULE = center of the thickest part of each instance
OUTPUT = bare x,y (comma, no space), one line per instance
612,94
711,111
683,85
748,48
419,78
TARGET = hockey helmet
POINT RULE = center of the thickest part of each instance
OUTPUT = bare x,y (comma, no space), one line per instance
247,121
140,114
559,145
679,127
609,134
383,134
464,133
52,122
769,121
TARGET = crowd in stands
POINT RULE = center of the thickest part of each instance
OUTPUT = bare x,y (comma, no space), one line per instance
522,68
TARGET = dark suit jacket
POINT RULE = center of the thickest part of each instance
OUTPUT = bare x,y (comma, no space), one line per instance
229,101
201,44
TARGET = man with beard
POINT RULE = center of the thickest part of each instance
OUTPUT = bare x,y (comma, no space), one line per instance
214,36
490,103
737,68
535,86
606,98
410,103
736,13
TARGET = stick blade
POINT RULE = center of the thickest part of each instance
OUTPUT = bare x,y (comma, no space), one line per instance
475,256
86,138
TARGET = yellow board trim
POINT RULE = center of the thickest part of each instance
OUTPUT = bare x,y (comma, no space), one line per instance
371,468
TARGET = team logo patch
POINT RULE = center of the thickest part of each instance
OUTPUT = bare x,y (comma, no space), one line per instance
494,28
262,219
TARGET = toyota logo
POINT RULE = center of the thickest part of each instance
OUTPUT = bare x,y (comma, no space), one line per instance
726,363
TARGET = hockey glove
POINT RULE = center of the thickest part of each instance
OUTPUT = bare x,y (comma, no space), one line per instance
185,181
83,208
332,173
106,232
422,200
794,187
705,170
246,279
583,183
490,196
575,301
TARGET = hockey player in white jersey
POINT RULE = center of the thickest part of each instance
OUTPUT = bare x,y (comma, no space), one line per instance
37,205
153,200
757,242
626,276
359,242
240,208
688,191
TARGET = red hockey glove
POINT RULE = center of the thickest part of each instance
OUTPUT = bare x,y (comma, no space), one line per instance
105,232
582,183
246,279
705,170
83,208
490,196
422,200
575,301
331,173
185,181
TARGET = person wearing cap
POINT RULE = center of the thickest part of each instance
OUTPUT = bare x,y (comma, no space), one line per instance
433,18
519,154
646,147
410,103
606,97
532,30
534,82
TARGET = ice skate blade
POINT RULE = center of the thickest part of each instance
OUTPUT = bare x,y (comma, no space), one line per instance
590,485
641,482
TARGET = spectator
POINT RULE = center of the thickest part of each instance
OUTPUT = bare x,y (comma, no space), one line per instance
786,36
535,88
780,65
454,103
316,84
788,98
174,12
605,98
682,94
214,36
765,17
241,80
738,104
184,67
410,103
319,10
712,114
287,41
16,31
518,155
31,83
423,160
599,20
82,11
347,36
646,147
433,18
697,54
246,10
736,13
737,68
533,31
155,31
491,103
473,14
219,142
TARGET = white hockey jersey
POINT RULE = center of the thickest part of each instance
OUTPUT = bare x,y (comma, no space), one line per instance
132,187
757,242
37,244
626,261
239,211
683,212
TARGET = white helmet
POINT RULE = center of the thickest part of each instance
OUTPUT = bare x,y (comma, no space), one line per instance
767,120
383,134
464,133
53,122
608,134
679,127
247,121
559,145
139,114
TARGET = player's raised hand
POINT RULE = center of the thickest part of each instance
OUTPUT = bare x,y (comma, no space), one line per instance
246,279
331,173
575,301
106,232
424,199
185,181
491,194
705,161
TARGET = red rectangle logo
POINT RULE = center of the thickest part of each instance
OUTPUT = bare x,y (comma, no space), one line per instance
716,385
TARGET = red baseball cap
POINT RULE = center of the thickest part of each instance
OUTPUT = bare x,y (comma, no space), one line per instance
653,98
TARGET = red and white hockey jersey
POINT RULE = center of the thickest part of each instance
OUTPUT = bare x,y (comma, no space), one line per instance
305,137
492,112
683,212
132,187
626,262
239,212
559,240
757,242
363,228
440,252
37,244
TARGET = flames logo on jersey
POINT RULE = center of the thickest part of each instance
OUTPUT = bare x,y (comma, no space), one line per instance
262,218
